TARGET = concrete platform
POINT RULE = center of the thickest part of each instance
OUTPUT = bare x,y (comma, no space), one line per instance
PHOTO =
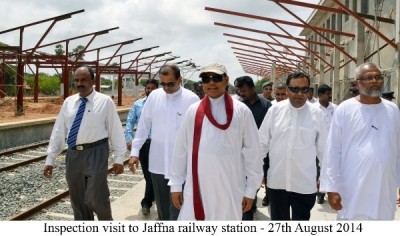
127,208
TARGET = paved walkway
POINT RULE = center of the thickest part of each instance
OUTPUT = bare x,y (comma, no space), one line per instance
127,208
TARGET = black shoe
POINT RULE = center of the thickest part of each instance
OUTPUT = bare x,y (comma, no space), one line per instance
320,199
265,201
145,211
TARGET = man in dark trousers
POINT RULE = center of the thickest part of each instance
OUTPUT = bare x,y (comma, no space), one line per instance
259,107
86,122
133,119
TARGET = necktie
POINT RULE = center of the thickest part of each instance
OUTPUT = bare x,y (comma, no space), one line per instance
73,133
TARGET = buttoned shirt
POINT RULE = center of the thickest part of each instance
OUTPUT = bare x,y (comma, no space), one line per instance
293,137
163,113
328,112
100,120
133,119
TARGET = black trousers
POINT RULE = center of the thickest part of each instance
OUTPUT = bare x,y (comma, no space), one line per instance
282,201
86,174
148,198
249,215
165,208
265,168
318,174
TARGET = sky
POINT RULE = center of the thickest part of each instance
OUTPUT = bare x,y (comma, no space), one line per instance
182,27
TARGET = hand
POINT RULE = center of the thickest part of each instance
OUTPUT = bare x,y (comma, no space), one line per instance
134,161
48,171
118,169
129,146
335,201
247,203
177,199
398,200
318,183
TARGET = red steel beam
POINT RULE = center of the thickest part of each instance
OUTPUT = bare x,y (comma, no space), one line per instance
278,21
73,38
241,49
255,62
252,56
266,42
266,49
266,59
362,21
336,10
316,31
123,54
273,34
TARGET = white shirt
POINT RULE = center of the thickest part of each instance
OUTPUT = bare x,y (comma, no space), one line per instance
99,121
225,159
237,97
274,102
362,159
328,111
312,100
293,137
164,114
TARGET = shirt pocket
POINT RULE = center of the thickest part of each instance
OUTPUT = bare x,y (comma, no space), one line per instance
306,137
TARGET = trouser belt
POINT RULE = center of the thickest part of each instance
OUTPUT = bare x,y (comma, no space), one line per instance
85,146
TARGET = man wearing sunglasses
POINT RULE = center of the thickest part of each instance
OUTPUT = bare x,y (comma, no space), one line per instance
163,112
361,169
293,133
216,155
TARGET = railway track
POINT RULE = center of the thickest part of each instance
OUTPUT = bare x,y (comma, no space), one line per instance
26,194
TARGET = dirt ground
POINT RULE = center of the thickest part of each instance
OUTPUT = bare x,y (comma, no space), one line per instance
45,108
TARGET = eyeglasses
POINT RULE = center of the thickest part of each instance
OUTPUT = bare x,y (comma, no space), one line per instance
298,89
370,78
207,78
169,84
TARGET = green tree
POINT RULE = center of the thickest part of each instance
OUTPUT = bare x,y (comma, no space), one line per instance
48,85
75,53
59,50
11,79
105,81
143,82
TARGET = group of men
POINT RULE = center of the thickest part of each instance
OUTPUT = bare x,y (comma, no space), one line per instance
207,159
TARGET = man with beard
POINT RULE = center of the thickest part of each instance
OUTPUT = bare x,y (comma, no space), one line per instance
133,119
87,120
361,169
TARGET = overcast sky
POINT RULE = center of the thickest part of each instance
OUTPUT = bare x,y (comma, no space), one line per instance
182,27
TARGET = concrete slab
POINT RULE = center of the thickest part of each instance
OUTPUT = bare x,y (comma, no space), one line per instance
127,208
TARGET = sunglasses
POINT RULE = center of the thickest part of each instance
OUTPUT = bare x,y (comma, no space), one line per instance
298,89
207,78
169,84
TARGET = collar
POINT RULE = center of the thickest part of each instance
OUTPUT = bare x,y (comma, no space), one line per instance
296,108
90,98
171,95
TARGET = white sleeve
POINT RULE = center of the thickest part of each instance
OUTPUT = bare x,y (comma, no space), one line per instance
332,157
57,138
143,127
264,134
181,152
252,159
115,132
